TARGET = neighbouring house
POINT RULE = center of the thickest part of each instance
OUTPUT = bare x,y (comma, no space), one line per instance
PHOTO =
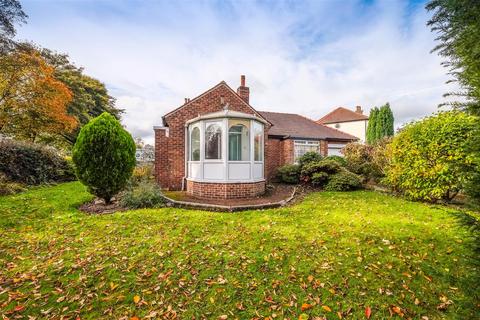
218,146
145,154
352,122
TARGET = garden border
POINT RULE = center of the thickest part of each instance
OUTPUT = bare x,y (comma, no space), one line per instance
222,208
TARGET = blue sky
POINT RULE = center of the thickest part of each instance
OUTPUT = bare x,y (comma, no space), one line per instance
303,57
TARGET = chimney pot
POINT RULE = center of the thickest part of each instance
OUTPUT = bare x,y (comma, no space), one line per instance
242,80
359,109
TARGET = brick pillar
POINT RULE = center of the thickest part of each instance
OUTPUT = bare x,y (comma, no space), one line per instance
323,148
161,158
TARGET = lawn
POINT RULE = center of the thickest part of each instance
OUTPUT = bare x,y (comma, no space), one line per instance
333,255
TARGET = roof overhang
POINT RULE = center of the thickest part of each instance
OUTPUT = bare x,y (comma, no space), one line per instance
226,114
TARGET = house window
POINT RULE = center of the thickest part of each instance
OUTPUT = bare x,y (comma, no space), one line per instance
238,141
303,146
258,141
213,141
195,144
335,149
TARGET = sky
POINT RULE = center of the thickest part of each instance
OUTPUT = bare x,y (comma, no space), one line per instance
299,57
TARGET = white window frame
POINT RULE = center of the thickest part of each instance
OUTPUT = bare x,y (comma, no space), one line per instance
304,143
337,147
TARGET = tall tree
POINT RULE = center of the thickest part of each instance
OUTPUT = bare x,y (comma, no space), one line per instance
372,123
457,25
380,123
387,121
11,13
90,96
32,100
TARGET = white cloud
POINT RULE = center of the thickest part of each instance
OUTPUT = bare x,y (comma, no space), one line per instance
304,58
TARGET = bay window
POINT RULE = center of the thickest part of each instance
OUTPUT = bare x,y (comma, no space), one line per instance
225,147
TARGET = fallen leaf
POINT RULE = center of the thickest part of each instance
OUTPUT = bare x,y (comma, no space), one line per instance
327,308
19,308
223,317
368,312
136,299
397,310
306,306
134,318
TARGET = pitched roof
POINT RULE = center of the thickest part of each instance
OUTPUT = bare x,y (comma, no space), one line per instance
189,101
342,114
297,126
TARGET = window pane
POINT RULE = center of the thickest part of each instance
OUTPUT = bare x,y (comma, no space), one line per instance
195,144
302,147
213,141
238,142
258,141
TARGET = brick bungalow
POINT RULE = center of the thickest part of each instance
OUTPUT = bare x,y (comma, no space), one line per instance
218,146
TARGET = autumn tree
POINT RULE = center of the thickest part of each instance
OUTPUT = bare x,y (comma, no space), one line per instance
11,13
90,96
32,100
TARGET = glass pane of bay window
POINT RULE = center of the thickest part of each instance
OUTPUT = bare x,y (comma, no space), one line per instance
258,141
213,141
238,141
195,144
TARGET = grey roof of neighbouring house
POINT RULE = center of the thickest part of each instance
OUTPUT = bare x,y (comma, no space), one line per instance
297,126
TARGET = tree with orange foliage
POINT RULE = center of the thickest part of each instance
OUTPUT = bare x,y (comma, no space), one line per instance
32,100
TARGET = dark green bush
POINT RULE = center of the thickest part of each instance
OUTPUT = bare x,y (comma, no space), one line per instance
320,178
104,156
309,157
144,195
341,160
33,164
343,181
328,167
289,173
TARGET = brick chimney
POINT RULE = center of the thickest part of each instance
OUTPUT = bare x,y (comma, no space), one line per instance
358,109
243,91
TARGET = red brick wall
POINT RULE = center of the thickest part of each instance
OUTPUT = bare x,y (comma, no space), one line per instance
170,163
161,158
208,190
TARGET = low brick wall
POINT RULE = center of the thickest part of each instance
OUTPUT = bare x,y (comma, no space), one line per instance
212,190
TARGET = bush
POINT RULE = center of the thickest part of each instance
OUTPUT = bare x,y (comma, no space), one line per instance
341,160
343,181
309,157
142,173
8,187
360,160
430,159
289,173
326,167
144,195
33,164
104,156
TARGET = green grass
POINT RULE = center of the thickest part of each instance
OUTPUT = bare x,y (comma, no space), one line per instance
334,251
